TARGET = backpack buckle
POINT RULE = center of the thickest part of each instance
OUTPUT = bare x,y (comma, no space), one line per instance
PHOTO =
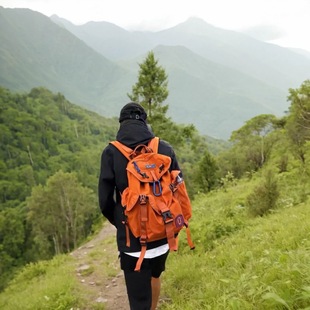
167,217
157,190
142,240
143,199
173,187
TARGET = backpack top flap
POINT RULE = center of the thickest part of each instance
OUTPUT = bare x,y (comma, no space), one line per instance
130,153
144,161
149,167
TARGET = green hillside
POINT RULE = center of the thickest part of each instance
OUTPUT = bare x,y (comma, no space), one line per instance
42,132
240,262
36,52
50,159
251,211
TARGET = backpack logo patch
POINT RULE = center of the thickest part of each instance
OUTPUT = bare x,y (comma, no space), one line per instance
150,166
179,221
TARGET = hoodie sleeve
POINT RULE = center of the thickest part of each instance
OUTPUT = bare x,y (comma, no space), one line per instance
106,186
167,149
174,161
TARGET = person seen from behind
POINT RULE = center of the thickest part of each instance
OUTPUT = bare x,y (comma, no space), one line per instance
143,287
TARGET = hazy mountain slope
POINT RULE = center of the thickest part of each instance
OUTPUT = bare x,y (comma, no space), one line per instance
37,52
301,51
213,96
278,66
236,75
108,39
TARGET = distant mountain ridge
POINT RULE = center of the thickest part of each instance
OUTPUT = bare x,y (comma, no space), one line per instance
37,52
206,87
218,79
230,48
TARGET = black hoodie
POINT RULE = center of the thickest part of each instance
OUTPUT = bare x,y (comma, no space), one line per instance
113,178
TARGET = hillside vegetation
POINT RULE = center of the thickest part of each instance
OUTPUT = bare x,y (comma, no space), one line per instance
242,262
50,159
239,262
251,209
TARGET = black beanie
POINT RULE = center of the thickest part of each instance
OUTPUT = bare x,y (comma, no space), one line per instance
132,110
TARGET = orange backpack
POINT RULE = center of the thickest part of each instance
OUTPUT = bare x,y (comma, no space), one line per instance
156,203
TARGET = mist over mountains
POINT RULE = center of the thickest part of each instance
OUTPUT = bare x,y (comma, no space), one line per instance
218,79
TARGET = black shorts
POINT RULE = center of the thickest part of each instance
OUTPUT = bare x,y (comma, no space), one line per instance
156,265
138,283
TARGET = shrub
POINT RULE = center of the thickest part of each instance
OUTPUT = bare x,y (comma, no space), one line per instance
264,196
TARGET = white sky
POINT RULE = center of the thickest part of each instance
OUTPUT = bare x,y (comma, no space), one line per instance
287,22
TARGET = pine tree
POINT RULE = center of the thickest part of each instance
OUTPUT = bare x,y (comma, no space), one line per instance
151,90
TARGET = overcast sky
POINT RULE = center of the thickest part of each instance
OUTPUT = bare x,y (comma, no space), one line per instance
284,22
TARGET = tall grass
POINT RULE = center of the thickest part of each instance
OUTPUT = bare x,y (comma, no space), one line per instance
261,263
43,285
57,285
240,262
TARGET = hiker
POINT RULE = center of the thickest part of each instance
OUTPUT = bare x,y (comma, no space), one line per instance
143,286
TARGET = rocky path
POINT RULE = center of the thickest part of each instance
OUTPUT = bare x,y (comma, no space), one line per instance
98,270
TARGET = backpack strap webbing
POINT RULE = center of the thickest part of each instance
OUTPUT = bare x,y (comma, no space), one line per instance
125,150
153,144
143,237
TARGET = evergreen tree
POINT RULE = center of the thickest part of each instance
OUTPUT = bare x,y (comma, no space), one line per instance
151,91
206,177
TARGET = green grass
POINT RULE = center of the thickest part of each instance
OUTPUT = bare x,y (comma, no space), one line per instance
261,263
54,284
43,285
240,262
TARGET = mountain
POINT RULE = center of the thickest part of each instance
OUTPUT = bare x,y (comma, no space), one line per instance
272,64
37,52
301,51
211,95
218,79
112,41
281,67
270,69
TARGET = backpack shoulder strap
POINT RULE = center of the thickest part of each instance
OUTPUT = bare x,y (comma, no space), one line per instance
125,150
153,144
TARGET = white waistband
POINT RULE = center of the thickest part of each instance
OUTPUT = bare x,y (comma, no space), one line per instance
152,252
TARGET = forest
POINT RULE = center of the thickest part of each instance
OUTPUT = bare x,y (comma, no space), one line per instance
50,155
50,151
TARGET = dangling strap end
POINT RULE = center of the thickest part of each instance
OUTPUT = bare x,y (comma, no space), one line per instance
140,260
189,239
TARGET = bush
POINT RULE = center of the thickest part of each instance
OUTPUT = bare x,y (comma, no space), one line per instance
264,197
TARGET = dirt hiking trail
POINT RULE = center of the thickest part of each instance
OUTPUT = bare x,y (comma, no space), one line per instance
97,268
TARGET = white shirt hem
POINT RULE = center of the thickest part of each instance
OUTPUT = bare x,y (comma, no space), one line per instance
151,253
